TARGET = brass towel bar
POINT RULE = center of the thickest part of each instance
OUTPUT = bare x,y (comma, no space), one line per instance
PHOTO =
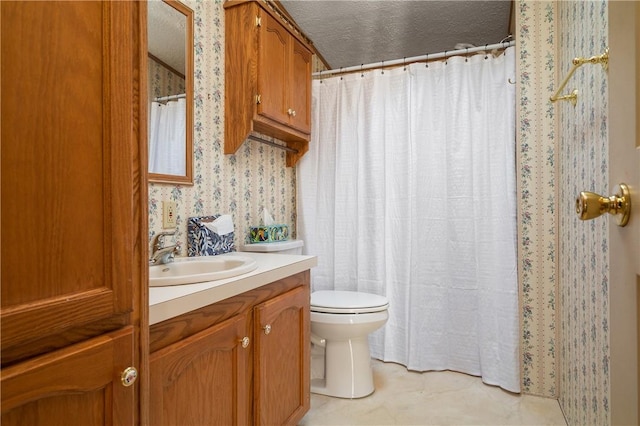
577,63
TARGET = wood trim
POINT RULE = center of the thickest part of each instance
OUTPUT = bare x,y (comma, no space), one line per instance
120,177
141,259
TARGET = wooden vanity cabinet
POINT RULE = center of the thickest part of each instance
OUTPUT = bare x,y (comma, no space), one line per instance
73,201
281,358
267,78
202,379
243,360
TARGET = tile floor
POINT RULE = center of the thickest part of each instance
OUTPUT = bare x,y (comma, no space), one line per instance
433,398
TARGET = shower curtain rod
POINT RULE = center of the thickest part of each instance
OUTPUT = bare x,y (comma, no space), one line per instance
406,61
170,98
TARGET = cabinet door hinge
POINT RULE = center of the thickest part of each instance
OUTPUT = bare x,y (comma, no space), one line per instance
258,99
258,21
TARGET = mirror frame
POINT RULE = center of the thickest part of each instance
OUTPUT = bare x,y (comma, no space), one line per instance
187,179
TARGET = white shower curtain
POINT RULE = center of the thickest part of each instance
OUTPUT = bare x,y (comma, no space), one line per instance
167,138
408,191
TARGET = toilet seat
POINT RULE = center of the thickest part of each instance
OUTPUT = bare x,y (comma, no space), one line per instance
347,302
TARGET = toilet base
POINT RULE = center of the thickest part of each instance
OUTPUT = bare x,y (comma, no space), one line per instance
348,372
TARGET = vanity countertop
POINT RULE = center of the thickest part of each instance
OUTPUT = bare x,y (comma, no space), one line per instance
171,301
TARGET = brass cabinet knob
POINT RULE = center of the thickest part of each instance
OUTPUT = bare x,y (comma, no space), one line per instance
590,205
129,376
245,342
291,112
267,329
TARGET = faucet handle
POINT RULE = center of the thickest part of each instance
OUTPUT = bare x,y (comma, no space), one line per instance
158,240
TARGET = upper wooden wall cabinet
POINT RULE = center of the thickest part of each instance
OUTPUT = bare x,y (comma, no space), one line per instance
268,78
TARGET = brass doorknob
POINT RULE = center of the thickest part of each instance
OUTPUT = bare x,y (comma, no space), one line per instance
245,342
590,205
267,329
129,376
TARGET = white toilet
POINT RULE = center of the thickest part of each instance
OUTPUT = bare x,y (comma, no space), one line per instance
341,322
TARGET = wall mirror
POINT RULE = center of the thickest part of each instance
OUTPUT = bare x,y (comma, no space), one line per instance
170,89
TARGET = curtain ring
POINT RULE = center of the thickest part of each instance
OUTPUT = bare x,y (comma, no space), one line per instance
404,64
446,58
466,53
321,76
382,67
341,73
485,51
426,61
361,72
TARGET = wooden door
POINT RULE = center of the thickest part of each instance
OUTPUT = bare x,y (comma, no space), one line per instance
624,242
203,379
274,44
281,358
300,87
79,385
70,241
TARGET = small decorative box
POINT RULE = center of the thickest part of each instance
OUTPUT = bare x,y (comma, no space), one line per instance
268,233
203,241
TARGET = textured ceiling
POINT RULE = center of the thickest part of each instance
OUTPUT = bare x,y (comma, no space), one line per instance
166,32
348,33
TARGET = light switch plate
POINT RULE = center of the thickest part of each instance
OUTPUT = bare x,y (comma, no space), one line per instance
169,214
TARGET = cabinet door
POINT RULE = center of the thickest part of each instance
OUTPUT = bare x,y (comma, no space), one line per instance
281,358
300,87
274,44
79,385
70,186
203,379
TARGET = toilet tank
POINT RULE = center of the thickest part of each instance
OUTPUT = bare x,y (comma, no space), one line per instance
278,247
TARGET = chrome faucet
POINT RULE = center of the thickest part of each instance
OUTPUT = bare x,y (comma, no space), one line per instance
162,254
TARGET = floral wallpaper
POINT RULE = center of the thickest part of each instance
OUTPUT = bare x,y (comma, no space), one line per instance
562,151
583,262
162,81
535,34
241,185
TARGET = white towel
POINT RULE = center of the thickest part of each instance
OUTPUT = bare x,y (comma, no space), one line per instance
222,225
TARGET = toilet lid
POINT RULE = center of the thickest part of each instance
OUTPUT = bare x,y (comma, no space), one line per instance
347,302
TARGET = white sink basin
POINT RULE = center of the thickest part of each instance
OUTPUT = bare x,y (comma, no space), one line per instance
199,269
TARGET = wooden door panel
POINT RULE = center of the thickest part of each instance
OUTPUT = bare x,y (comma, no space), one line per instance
78,385
300,87
281,361
202,379
273,78
67,175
